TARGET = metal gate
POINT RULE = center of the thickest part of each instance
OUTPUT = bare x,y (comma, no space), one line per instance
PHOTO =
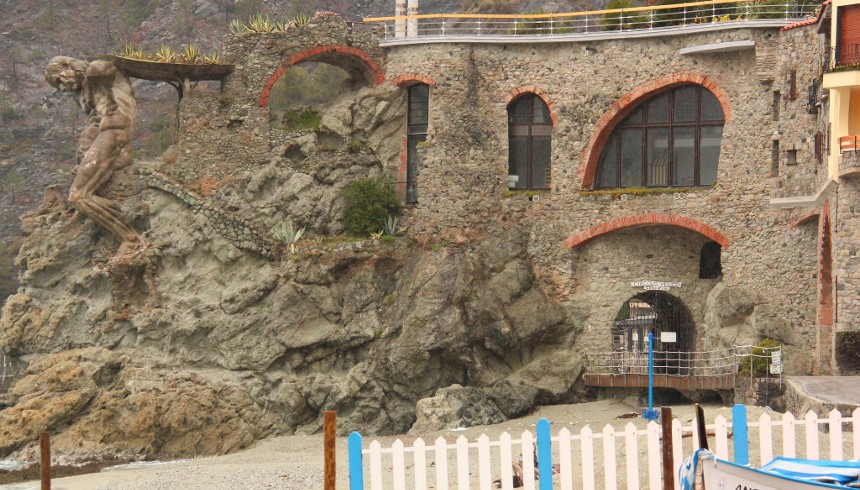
668,320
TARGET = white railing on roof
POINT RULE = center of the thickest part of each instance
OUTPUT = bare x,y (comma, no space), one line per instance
607,458
661,18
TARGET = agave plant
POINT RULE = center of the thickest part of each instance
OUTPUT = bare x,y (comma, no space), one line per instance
237,27
210,59
260,23
301,20
164,55
130,52
377,235
391,225
191,54
285,233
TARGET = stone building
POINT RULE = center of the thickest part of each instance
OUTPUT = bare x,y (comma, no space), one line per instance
703,166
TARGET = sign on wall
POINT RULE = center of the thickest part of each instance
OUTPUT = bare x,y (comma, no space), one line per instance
655,285
668,337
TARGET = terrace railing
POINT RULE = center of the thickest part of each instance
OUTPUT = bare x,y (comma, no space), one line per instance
661,17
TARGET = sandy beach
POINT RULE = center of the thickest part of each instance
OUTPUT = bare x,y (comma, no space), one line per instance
296,462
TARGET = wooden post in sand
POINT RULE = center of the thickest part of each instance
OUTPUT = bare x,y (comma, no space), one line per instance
668,465
45,463
328,435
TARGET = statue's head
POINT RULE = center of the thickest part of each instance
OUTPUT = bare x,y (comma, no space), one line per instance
66,74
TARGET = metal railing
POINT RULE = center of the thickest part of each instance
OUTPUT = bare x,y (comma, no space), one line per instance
849,143
561,24
843,57
721,362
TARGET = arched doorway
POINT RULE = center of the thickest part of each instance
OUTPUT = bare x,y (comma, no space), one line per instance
668,319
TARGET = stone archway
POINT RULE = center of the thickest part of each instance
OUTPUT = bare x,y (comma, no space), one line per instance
363,70
668,319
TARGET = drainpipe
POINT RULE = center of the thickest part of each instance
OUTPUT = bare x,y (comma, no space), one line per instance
413,23
399,24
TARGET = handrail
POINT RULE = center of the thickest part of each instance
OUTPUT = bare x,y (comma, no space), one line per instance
559,15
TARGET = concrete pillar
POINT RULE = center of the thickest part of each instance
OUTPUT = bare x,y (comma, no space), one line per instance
412,29
400,24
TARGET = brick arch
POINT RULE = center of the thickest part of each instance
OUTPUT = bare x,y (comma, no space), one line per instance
531,89
354,61
825,269
623,106
408,79
589,234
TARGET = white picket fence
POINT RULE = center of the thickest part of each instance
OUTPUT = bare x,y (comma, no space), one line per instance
630,458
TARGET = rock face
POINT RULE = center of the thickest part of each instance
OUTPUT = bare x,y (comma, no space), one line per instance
199,347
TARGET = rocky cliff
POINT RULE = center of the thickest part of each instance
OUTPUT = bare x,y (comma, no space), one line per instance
212,337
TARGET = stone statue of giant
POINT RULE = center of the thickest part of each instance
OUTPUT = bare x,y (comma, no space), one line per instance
105,95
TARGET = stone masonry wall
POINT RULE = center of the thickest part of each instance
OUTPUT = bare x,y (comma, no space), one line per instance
463,168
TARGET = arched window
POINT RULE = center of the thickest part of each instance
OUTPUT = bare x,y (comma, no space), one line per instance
418,102
710,265
670,140
529,143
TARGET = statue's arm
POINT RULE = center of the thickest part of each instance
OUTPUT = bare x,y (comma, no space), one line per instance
102,69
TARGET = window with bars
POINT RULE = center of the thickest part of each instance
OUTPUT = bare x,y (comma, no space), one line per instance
670,140
529,143
418,102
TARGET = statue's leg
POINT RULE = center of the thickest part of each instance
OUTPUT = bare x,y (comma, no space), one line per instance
108,152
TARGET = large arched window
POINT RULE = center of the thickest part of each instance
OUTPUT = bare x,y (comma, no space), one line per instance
529,143
670,140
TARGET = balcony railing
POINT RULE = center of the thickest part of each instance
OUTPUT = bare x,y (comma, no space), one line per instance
844,57
702,14
849,157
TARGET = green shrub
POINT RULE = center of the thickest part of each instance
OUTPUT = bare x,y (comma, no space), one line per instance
366,206
306,118
755,362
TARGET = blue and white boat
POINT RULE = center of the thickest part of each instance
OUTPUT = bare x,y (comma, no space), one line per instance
780,474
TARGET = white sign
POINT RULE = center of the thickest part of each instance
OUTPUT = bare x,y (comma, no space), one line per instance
655,285
776,362
668,337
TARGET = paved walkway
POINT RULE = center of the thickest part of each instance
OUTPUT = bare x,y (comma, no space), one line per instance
841,390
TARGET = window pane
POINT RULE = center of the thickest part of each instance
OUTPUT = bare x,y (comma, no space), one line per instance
541,115
519,111
658,108
711,108
710,154
606,167
412,166
631,158
635,117
658,157
541,155
685,104
517,162
418,101
684,157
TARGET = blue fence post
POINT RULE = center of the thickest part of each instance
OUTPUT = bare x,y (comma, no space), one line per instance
741,438
544,455
356,471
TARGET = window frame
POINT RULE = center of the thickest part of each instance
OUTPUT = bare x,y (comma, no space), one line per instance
670,125
529,138
416,132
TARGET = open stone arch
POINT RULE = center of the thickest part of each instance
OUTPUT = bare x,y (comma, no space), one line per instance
589,234
627,103
358,64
